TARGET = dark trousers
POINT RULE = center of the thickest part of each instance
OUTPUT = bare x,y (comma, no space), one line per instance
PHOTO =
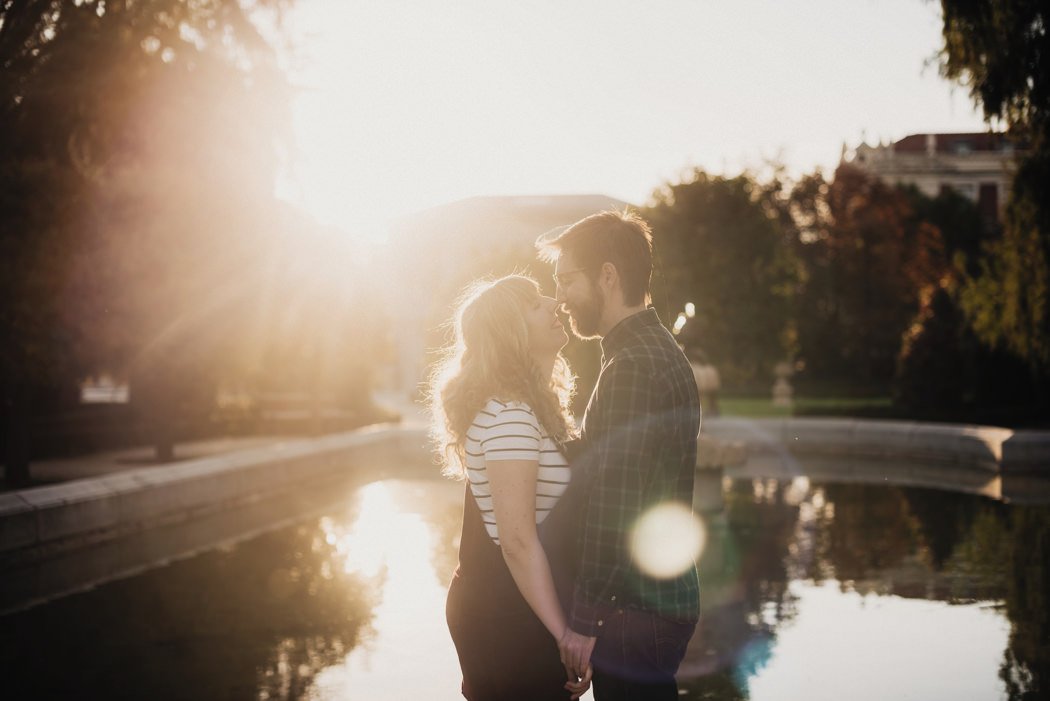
505,652
504,655
637,655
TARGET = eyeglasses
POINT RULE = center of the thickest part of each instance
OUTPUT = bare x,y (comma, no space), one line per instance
560,278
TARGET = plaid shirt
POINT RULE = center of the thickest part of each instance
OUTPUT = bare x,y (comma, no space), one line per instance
637,449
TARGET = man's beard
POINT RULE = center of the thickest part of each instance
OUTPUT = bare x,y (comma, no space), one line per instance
585,316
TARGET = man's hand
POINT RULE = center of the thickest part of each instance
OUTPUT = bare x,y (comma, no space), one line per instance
576,652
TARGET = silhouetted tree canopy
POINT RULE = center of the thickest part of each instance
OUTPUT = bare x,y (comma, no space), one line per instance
865,259
721,249
139,142
1001,51
70,69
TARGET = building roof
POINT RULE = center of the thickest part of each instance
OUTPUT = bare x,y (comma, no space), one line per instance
508,217
955,143
438,249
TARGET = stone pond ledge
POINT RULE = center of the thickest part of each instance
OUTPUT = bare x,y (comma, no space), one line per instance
989,448
106,506
88,510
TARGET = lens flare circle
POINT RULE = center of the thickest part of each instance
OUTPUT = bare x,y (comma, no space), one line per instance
666,540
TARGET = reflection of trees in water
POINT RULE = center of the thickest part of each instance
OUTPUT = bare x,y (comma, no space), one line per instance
865,531
743,590
945,519
258,621
910,542
965,539
1026,665
971,548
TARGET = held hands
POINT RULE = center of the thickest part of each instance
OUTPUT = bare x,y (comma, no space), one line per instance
576,652
578,687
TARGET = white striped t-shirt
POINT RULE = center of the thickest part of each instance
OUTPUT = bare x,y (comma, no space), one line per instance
511,431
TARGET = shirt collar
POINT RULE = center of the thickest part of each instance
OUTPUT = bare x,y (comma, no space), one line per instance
620,335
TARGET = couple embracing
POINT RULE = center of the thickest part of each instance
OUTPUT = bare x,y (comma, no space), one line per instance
548,595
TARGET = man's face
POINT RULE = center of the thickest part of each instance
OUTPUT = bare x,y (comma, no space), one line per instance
579,296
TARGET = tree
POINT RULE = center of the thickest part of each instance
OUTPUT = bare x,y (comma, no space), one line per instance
721,249
138,150
963,232
1000,50
937,368
944,371
865,259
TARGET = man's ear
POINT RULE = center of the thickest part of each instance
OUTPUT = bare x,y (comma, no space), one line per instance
608,277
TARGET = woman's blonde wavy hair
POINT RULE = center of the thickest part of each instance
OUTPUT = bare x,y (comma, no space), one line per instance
489,357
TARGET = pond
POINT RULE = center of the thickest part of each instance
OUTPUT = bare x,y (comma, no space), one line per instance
810,590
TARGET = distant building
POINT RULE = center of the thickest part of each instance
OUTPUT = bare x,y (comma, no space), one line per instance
486,224
438,250
103,389
979,166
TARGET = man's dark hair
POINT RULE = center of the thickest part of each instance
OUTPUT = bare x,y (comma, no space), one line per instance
621,238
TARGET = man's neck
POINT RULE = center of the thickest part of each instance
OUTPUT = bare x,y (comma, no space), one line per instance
612,317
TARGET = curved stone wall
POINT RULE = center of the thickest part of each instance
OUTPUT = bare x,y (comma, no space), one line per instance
981,447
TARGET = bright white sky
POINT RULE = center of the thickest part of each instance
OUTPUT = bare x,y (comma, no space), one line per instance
406,104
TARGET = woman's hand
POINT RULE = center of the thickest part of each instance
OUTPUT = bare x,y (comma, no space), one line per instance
576,651
579,687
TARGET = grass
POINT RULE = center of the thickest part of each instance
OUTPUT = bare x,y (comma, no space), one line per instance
882,407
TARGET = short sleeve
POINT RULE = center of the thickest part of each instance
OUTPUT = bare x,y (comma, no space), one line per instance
514,434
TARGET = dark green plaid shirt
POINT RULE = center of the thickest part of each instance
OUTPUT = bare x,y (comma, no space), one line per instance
637,449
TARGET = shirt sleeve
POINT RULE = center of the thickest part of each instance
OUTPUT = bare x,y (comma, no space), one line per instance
513,435
623,438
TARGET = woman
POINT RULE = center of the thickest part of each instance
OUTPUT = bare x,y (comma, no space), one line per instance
500,404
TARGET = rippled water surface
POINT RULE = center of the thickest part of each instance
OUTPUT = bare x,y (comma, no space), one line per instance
809,591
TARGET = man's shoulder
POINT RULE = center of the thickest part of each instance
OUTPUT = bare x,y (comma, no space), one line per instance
654,349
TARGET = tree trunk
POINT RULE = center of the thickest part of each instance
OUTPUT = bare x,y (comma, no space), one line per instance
154,401
164,448
17,424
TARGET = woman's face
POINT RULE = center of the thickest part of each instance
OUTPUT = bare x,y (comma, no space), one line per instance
546,334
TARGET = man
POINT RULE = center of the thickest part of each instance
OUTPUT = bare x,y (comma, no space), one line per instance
638,441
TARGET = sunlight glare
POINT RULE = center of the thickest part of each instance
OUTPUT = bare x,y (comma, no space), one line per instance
666,540
380,533
394,541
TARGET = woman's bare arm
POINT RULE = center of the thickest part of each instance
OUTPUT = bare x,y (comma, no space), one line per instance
513,485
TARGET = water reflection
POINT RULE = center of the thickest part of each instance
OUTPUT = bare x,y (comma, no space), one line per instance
260,620
1026,666
403,529
810,590
831,590
848,645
